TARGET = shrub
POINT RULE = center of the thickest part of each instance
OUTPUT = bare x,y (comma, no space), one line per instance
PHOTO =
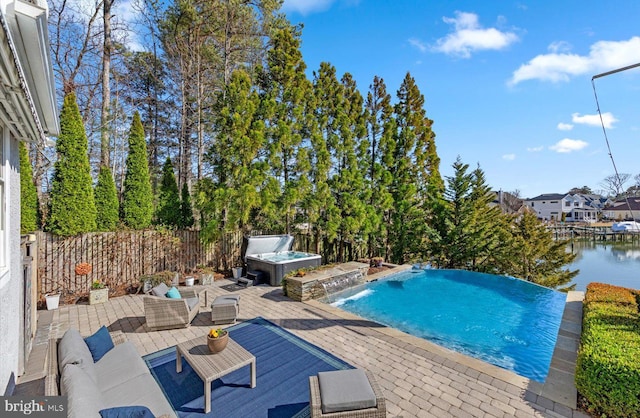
608,370
28,194
73,208
186,212
107,203
168,209
137,199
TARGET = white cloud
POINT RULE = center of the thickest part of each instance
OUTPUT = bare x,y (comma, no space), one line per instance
568,145
509,157
535,149
560,65
469,36
305,7
594,120
559,46
418,44
565,126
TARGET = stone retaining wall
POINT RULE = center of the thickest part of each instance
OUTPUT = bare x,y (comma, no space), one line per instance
312,285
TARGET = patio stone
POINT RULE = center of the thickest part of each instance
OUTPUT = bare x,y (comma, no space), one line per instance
417,377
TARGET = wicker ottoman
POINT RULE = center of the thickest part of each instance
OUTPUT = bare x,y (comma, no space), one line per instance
225,309
350,393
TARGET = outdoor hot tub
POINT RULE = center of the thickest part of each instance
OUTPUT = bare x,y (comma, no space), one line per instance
272,255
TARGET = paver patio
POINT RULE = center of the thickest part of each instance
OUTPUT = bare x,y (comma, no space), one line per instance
418,378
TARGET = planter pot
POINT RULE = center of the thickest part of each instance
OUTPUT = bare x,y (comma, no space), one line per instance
216,345
189,281
176,279
98,296
237,272
52,301
206,279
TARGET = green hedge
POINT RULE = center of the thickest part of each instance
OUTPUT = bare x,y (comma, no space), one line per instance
608,366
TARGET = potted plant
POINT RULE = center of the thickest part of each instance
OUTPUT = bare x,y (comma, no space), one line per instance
149,281
53,300
99,293
206,275
217,339
377,261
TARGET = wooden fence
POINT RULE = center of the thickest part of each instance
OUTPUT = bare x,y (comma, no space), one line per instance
121,258
117,258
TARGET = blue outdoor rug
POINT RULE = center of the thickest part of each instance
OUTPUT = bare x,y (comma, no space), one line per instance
284,363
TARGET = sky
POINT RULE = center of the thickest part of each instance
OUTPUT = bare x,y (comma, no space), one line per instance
508,84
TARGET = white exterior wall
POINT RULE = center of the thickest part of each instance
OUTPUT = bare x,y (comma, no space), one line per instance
546,210
11,278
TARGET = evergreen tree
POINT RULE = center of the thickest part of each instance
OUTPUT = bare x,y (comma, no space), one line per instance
376,156
186,212
323,214
410,174
349,184
73,208
28,194
137,200
106,197
535,256
168,208
285,107
471,232
228,200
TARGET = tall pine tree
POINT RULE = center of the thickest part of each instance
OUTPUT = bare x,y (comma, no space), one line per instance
348,182
28,194
286,90
323,214
73,208
408,231
137,200
377,159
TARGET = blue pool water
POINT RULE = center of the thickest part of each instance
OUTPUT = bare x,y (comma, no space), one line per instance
504,321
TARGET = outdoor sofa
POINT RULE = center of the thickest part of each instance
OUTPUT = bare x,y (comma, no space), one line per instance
162,312
120,378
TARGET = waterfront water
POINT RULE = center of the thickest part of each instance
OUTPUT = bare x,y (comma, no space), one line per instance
615,263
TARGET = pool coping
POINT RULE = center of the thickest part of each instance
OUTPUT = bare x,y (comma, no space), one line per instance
559,386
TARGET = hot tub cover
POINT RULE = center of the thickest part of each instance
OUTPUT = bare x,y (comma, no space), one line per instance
260,244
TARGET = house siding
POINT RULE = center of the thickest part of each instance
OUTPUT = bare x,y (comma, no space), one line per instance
11,282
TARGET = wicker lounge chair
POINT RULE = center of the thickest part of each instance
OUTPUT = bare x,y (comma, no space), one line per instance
166,313
225,309
377,411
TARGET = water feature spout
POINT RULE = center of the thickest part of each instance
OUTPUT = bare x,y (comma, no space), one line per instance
339,285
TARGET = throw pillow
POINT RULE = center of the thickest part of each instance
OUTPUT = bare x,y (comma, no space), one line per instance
99,343
173,293
160,290
127,412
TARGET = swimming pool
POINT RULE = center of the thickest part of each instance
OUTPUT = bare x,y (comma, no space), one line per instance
508,322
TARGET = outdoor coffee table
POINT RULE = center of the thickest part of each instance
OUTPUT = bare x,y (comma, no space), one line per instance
213,366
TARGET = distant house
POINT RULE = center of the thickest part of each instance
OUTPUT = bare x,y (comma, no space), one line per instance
569,207
623,209
508,203
27,114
